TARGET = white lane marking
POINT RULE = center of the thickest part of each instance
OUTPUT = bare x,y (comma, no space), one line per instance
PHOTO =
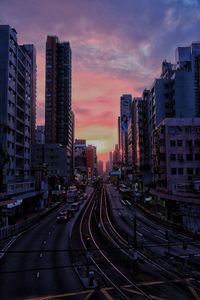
40,255
161,231
49,232
139,233
157,236
38,274
128,202
146,229
6,247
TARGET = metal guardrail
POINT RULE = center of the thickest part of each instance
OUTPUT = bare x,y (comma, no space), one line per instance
17,228
11,230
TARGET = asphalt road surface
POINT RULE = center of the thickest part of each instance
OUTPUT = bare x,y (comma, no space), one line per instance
40,268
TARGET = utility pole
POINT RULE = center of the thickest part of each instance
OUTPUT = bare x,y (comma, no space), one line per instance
134,224
135,227
168,243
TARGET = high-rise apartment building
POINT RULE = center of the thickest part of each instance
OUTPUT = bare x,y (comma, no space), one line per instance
59,119
137,135
176,155
17,113
39,134
116,158
177,92
100,167
91,156
125,113
80,161
187,85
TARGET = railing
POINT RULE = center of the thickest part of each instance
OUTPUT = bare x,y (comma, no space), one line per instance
11,230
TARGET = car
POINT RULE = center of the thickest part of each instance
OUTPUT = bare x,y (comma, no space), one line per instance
85,196
75,206
62,219
63,213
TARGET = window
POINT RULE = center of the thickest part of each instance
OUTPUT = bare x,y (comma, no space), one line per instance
197,143
180,171
197,171
189,171
172,143
197,156
180,157
173,171
173,156
179,143
189,143
189,156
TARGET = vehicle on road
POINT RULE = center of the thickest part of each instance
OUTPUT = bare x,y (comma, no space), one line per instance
71,194
62,219
63,213
75,206
84,196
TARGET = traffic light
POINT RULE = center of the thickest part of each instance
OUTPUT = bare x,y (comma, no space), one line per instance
87,242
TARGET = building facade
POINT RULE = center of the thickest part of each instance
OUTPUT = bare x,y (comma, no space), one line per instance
54,157
176,154
125,113
17,114
91,156
40,134
100,168
80,159
59,118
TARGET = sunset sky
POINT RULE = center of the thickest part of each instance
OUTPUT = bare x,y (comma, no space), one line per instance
117,48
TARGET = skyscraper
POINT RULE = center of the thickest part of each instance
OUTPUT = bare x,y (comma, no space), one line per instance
187,81
91,156
58,114
17,113
125,113
100,167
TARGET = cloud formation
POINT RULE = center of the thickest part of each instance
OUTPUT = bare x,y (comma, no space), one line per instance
117,48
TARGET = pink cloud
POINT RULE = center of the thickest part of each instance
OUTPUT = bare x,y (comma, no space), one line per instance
117,47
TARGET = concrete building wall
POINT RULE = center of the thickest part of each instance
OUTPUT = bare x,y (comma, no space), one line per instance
59,118
54,156
177,153
17,88
125,113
